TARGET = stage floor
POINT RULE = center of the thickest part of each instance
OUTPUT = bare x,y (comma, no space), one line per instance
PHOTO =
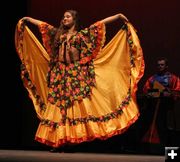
46,156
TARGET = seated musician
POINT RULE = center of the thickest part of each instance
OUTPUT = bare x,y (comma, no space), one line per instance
162,89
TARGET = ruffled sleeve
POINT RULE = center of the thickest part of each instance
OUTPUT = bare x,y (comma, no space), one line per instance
90,41
175,82
48,33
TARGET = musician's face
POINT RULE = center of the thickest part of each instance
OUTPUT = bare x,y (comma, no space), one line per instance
162,67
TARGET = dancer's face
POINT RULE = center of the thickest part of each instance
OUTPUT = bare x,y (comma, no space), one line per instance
68,20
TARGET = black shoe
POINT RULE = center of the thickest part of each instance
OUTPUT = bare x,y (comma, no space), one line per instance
53,150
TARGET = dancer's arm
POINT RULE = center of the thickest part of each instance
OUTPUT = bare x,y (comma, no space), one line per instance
114,18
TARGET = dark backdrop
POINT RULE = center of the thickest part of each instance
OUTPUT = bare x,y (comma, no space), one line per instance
157,25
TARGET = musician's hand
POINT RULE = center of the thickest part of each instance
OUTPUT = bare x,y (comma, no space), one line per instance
166,94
